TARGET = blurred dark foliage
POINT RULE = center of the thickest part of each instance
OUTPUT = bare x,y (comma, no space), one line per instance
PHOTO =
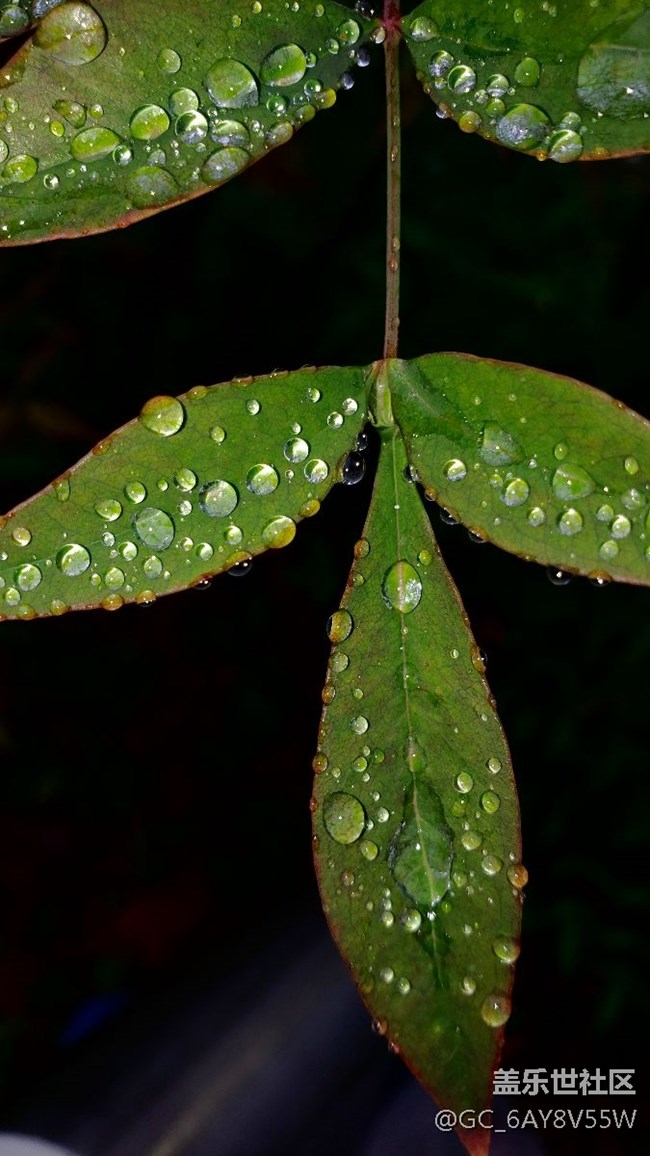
156,762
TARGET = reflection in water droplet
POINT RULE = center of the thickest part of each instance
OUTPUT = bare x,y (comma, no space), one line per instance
262,479
353,469
402,588
522,127
491,864
344,817
163,415
92,144
527,72
570,482
231,84
149,122
339,662
454,470
620,527
73,34
490,802
516,492
279,532
496,446
108,510
518,875
154,527
284,66
468,985
218,499
411,919
505,948
21,535
316,471
135,492
339,626
28,577
564,146
73,560
359,725
368,849
296,450
464,782
224,164
495,1009
570,522
168,60
471,840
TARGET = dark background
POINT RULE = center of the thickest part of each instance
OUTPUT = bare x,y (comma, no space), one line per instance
154,837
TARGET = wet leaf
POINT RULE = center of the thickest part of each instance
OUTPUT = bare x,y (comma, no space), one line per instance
564,81
415,813
194,486
541,465
113,111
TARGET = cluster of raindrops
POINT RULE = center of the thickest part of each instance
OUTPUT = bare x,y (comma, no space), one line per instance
178,529
377,845
503,104
553,498
197,129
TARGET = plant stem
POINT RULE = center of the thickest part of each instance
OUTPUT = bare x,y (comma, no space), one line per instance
391,22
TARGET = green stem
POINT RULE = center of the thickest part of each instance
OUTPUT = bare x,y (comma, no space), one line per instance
391,23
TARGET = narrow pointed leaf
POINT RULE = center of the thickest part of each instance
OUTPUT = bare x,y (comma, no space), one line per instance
565,81
415,813
541,465
116,110
194,486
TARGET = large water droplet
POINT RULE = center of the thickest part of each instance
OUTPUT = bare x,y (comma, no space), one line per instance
72,33
340,626
461,79
108,510
231,84
344,817
73,560
420,854
316,471
454,470
523,126
91,144
402,588
570,522
262,479
527,72
495,1009
279,532
162,415
218,499
285,65
149,122
28,577
570,482
564,145
516,492
423,29
296,450
496,446
154,528
150,185
224,164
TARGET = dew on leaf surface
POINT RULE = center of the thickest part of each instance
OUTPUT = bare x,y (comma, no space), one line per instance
344,817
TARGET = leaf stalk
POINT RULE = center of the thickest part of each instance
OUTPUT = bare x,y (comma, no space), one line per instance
391,22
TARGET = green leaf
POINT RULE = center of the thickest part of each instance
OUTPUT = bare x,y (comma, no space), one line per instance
116,110
563,81
541,465
415,813
194,486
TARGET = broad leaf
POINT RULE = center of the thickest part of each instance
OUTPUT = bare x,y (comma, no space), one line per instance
415,814
541,465
194,486
116,110
564,81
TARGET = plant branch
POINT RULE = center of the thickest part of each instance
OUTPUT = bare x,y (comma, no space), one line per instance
391,22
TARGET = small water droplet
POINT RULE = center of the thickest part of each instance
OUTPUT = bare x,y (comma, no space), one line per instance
491,864
382,815
241,568
168,60
296,450
422,29
344,817
518,875
339,662
558,577
149,122
464,782
515,493
411,919
609,550
527,72
471,840
163,415
316,471
620,527
28,577
631,466
570,522
359,725
461,79
353,469
506,949
490,802
21,535
387,975
468,985
454,470
135,492
536,516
